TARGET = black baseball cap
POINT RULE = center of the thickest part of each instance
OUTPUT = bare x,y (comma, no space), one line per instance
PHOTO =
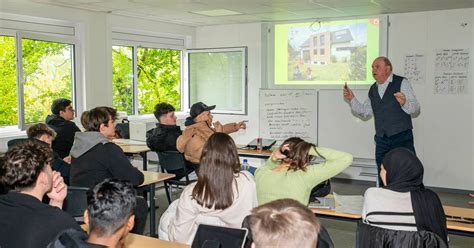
198,108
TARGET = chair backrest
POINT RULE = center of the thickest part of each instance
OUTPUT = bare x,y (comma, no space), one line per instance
76,202
371,236
171,160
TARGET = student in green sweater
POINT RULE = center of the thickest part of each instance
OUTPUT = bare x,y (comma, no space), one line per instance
288,173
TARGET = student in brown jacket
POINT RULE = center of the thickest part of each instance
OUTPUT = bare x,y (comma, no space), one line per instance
199,129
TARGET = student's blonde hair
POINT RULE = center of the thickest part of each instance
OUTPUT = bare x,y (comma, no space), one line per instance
284,223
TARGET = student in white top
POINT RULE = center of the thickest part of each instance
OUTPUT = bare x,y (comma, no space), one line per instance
404,203
223,195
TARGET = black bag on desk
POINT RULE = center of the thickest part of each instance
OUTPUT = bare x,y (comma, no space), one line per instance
122,130
320,190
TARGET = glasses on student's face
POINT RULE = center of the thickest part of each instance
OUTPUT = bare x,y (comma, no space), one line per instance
70,109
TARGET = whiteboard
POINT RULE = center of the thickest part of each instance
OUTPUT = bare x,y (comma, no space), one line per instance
338,128
286,113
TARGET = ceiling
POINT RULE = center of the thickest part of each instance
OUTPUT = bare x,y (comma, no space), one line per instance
181,11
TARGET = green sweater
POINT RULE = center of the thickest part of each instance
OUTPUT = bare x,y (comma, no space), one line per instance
297,185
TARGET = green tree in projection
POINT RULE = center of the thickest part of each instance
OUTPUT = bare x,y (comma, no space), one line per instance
358,69
158,78
47,75
8,99
122,73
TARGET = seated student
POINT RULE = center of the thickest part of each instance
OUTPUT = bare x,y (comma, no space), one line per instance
24,220
163,137
95,157
284,223
404,203
42,132
223,195
199,129
288,174
61,122
109,217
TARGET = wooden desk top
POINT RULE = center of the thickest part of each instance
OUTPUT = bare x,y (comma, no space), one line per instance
140,241
263,154
128,148
155,177
330,212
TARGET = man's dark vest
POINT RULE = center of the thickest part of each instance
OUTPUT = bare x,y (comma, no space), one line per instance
389,117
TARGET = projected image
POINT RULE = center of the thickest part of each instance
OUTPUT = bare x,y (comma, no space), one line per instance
326,52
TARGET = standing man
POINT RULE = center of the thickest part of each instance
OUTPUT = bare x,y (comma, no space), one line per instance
61,122
392,102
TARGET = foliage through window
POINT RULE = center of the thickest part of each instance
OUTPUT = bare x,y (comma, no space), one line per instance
158,77
47,69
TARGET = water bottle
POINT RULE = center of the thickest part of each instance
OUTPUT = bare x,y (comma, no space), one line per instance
245,165
259,145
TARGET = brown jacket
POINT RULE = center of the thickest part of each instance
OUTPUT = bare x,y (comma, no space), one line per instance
193,138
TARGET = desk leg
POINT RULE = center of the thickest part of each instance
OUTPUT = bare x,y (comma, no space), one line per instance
152,211
145,160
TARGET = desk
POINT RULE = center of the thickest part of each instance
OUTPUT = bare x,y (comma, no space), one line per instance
265,154
132,149
139,241
453,217
151,179
460,220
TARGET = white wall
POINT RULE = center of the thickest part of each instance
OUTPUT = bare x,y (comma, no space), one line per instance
232,36
443,132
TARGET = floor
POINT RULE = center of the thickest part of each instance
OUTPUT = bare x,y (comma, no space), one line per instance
343,232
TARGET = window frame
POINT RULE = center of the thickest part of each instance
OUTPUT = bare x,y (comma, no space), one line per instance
244,99
135,44
76,76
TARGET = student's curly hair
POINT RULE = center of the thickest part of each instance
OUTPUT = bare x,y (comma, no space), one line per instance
22,164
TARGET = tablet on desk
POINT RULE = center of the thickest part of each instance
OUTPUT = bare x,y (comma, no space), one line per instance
218,236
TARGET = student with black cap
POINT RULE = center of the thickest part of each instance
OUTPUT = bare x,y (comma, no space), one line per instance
199,127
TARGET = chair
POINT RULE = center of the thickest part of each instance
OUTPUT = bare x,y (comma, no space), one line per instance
368,236
174,162
13,142
76,202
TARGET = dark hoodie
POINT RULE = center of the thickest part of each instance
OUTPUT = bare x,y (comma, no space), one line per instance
94,159
65,131
72,238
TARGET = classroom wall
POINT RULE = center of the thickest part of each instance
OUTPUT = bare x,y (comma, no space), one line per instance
443,131
232,36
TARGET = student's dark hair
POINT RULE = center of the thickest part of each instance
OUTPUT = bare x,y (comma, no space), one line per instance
92,119
60,104
38,130
219,163
22,164
298,154
162,109
109,204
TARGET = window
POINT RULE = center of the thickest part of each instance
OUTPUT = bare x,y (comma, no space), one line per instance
219,77
321,51
158,74
322,40
146,70
35,69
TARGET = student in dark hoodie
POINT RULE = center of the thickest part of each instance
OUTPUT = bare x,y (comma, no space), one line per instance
61,122
94,157
109,217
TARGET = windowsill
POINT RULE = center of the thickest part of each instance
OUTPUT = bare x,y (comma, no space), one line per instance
11,132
